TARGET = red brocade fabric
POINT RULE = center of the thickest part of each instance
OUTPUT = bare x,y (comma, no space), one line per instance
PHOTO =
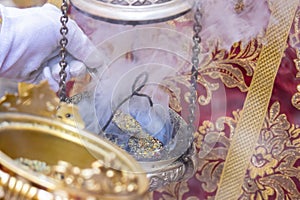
273,171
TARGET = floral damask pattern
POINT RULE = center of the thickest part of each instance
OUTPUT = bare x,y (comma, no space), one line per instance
232,68
274,169
212,141
294,40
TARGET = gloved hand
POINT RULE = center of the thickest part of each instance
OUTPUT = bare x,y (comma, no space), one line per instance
29,45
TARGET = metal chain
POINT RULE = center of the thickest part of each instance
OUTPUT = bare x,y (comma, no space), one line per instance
63,52
194,71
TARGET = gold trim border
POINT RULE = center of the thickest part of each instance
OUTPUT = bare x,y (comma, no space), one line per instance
257,101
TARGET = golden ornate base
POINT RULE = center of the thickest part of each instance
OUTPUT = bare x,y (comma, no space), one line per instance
44,156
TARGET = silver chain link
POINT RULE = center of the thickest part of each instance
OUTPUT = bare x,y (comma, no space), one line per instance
63,52
194,71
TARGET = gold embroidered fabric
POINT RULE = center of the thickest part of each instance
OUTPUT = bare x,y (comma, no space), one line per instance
273,170
257,100
231,69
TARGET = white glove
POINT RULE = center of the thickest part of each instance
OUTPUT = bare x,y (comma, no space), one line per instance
30,38
51,69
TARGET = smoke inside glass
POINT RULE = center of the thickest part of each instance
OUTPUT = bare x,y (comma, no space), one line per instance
134,53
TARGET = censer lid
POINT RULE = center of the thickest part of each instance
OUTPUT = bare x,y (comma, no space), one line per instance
133,11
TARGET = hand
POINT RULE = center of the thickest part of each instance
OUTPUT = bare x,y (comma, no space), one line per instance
30,39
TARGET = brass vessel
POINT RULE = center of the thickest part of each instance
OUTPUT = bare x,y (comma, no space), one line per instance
59,160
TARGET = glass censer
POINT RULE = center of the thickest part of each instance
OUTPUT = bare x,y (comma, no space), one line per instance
128,100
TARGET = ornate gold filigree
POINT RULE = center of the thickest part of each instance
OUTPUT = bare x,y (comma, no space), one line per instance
40,100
